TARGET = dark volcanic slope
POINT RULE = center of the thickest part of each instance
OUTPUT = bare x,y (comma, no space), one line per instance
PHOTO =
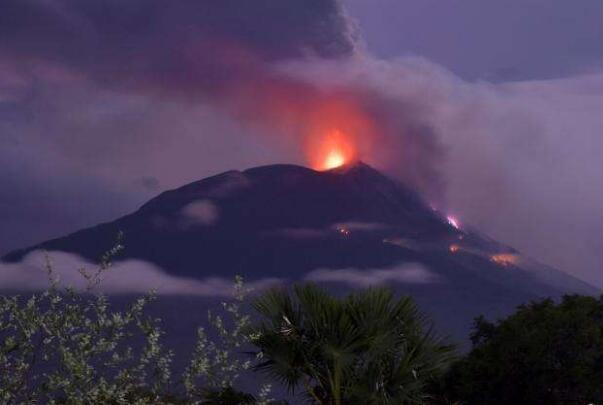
285,221
275,220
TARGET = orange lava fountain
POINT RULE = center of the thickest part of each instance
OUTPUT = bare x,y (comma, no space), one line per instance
336,131
335,150
334,159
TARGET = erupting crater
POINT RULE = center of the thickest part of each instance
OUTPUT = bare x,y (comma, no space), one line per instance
335,150
334,159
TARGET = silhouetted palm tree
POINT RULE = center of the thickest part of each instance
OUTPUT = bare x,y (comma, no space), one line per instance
366,348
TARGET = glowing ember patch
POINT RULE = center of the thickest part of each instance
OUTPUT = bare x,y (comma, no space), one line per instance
454,248
453,221
344,231
334,159
505,259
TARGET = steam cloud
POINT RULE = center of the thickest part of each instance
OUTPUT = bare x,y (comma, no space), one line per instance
123,93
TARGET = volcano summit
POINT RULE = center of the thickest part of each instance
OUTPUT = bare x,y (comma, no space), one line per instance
347,227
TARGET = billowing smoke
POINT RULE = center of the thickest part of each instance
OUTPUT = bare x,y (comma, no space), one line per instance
111,97
226,54
100,99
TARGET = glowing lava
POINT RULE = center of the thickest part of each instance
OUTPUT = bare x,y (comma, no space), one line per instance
334,150
344,231
454,248
453,221
505,259
334,159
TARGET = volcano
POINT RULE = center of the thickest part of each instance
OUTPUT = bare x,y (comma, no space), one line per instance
347,227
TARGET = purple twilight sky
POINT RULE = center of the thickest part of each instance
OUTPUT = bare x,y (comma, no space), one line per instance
491,108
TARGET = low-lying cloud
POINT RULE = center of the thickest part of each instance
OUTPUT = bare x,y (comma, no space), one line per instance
360,226
410,273
124,277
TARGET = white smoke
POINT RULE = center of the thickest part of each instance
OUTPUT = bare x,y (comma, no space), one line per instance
521,161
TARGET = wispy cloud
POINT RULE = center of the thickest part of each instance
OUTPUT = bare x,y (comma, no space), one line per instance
360,226
411,273
201,212
130,276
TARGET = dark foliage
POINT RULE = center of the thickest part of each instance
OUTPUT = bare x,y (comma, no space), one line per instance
546,353
366,348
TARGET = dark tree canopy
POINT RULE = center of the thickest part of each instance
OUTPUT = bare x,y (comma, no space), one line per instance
546,353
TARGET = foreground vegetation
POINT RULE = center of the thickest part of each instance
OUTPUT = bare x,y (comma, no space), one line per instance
367,348
64,346
545,353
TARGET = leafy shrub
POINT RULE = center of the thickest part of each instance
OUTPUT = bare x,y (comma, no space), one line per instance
64,346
